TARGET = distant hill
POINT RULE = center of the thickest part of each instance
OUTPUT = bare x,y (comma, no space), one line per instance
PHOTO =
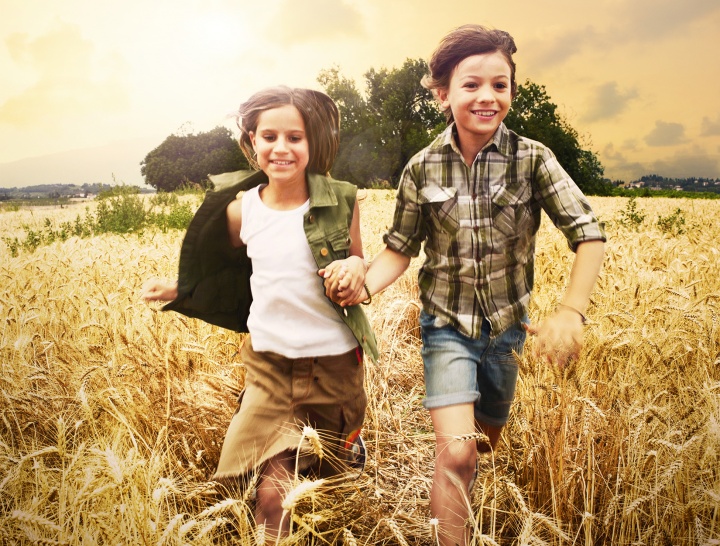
111,164
59,191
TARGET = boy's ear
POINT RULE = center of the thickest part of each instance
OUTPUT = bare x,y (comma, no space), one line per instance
441,94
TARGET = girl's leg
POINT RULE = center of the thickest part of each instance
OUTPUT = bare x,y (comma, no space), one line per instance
274,483
454,467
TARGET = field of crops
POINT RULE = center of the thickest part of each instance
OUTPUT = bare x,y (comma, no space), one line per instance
112,413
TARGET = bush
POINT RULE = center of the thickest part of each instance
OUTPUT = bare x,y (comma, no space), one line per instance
631,217
674,224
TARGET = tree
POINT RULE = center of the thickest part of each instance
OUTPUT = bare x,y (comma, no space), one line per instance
380,132
189,159
534,116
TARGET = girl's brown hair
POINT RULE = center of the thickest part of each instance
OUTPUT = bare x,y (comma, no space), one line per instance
318,111
464,42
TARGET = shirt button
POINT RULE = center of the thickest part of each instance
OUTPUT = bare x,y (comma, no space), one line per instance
474,196
323,251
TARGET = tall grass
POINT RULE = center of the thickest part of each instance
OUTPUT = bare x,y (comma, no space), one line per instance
112,413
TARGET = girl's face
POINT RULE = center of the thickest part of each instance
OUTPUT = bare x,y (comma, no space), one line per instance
479,96
281,144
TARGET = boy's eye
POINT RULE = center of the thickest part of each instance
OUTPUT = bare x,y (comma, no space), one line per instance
500,86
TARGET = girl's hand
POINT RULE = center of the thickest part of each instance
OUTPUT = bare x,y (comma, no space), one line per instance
344,281
159,290
559,338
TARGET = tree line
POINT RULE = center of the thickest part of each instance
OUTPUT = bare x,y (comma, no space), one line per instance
380,130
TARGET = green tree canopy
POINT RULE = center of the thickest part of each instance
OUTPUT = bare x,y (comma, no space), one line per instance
180,160
534,116
379,132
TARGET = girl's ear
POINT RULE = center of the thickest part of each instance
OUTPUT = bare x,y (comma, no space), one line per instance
251,134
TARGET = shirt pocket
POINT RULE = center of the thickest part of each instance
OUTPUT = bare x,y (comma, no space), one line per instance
338,245
440,205
510,209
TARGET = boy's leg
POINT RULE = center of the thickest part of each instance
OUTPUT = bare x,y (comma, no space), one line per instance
454,467
273,485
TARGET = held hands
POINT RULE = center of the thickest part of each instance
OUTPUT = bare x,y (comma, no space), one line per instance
159,290
559,338
344,281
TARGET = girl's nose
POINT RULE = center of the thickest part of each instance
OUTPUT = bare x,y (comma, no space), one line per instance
281,144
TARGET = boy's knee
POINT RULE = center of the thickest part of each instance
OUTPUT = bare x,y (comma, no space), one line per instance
459,458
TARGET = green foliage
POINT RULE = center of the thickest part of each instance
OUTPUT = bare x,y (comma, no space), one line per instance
182,160
380,132
535,116
118,212
673,224
631,217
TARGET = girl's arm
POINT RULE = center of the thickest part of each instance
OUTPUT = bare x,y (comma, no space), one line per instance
159,290
560,336
234,222
386,267
163,290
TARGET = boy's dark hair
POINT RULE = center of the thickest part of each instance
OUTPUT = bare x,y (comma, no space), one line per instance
464,42
318,111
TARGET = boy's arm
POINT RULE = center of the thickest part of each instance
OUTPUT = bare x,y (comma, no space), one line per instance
560,336
385,268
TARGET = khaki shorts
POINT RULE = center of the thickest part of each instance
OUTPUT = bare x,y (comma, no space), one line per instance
283,395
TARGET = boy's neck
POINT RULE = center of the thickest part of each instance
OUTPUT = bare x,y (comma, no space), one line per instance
470,145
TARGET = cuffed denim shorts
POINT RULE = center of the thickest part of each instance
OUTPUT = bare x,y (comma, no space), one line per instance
460,369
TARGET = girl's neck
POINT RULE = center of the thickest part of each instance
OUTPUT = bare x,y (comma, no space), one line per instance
285,196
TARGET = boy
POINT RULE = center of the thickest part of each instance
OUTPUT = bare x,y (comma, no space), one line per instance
474,197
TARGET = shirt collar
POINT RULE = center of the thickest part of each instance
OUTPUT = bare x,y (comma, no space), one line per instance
501,139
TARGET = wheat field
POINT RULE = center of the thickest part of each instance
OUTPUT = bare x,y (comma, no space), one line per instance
113,412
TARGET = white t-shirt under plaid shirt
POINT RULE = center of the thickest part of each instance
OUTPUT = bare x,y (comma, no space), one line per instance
478,225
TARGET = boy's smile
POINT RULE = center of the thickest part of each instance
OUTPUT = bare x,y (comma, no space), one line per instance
479,96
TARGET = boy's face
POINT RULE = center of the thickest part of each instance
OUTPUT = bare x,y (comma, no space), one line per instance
479,97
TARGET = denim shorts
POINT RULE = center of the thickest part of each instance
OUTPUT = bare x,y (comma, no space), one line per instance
460,369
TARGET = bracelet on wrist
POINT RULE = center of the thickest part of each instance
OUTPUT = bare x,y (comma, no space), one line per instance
582,317
368,301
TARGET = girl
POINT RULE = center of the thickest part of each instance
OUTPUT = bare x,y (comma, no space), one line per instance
473,198
251,264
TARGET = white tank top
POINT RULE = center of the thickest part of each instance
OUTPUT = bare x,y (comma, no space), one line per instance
289,314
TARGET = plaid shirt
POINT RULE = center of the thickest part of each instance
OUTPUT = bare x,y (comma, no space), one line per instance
478,224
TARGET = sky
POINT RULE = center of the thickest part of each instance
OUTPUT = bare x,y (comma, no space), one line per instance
87,89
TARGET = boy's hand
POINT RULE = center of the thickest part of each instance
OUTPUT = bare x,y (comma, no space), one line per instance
559,338
344,280
159,290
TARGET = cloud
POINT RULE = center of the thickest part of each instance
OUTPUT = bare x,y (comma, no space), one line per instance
710,127
607,102
69,81
311,20
618,166
687,164
643,21
665,134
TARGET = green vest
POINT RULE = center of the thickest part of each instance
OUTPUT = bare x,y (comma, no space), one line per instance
214,277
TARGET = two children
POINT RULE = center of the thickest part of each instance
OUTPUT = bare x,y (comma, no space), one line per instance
473,198
250,264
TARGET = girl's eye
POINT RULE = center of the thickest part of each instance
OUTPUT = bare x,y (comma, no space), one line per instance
295,138
269,138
